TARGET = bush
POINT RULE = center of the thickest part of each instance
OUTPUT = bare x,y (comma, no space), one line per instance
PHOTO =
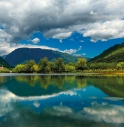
4,70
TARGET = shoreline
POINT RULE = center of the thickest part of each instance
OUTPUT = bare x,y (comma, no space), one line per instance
105,73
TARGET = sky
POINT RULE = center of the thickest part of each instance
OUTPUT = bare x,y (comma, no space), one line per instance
77,27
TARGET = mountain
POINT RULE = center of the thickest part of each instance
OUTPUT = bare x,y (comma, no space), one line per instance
112,54
3,63
3,56
22,55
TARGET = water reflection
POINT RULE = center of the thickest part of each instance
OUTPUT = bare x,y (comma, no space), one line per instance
43,85
59,81
25,85
4,79
113,86
61,101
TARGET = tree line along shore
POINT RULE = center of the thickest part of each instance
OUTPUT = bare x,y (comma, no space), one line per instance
58,66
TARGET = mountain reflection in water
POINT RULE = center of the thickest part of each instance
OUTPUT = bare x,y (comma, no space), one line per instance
63,100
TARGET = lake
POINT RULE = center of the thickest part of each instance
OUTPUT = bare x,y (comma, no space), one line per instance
61,101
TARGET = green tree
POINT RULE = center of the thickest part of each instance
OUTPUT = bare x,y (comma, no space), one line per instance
71,63
29,66
52,66
69,68
59,65
81,64
44,66
4,70
34,68
19,68
120,65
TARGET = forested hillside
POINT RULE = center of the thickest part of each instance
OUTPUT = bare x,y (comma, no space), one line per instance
113,54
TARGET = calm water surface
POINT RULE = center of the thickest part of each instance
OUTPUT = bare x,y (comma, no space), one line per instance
61,101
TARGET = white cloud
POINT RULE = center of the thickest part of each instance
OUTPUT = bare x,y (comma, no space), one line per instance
60,20
107,30
62,35
6,48
4,37
70,51
36,40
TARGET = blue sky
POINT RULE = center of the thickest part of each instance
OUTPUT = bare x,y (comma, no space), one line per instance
80,45
83,27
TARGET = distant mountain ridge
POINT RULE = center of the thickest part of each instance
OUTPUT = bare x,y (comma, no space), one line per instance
112,54
22,55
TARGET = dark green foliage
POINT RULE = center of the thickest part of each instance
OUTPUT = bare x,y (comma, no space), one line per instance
19,69
29,66
120,65
52,66
113,54
102,65
59,65
70,68
81,64
44,66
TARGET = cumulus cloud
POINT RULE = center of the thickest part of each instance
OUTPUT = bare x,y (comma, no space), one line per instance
4,36
107,30
72,51
7,48
36,40
62,35
21,18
